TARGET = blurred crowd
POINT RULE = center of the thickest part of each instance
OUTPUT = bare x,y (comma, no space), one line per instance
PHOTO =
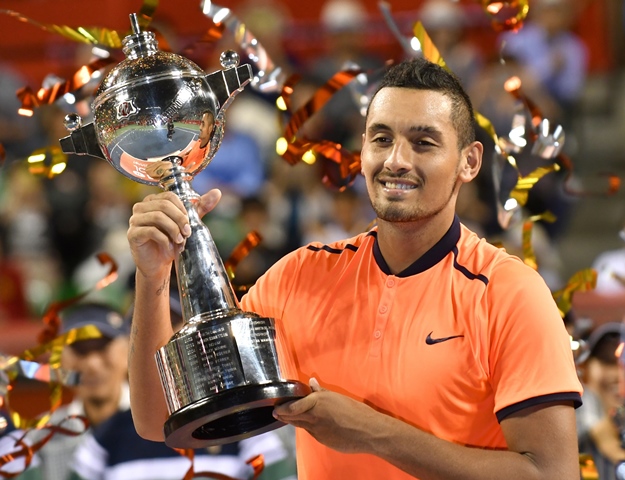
52,228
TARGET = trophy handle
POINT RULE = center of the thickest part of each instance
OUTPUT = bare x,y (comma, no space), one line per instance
83,140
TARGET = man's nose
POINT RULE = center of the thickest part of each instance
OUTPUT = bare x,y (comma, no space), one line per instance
92,360
400,156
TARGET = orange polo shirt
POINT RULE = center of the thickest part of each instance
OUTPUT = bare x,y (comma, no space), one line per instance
462,338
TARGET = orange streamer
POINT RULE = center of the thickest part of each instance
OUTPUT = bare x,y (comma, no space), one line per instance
241,251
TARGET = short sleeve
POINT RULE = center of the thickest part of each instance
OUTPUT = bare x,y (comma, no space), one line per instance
530,356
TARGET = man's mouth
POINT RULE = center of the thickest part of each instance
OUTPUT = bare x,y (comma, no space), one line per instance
397,185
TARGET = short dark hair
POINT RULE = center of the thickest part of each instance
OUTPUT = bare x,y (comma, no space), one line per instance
421,74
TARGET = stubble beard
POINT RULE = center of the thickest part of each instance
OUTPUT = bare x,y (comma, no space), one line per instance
396,211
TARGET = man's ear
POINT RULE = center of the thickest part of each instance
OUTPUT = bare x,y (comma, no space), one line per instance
471,161
363,144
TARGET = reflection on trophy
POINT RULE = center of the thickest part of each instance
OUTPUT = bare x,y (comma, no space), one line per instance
159,120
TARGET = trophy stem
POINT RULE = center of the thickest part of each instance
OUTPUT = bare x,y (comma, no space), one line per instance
203,282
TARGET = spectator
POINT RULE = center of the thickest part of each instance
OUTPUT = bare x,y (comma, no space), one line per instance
113,450
552,51
103,389
445,23
596,430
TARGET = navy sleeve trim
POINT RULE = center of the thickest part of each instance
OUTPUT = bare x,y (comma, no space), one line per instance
530,402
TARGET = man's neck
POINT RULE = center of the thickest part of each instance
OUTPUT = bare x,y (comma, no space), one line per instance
402,244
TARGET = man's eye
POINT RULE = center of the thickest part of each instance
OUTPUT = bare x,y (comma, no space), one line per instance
381,140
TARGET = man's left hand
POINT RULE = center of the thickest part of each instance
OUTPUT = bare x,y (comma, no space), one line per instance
335,420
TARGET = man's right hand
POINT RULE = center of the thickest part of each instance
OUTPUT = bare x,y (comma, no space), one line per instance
158,229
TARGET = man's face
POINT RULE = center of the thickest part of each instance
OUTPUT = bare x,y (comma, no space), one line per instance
603,379
102,364
410,156
206,128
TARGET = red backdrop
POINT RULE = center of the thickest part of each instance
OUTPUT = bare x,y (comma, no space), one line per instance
35,53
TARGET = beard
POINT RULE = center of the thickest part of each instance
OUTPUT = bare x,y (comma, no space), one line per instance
397,211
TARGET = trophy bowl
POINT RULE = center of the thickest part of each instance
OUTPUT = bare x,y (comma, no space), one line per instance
159,120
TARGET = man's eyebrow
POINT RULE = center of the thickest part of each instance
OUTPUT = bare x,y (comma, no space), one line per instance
376,127
425,128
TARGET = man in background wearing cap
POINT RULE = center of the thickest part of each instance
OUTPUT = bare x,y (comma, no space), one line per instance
103,388
113,450
596,428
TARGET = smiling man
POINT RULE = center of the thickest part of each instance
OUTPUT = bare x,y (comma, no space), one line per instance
431,353
103,389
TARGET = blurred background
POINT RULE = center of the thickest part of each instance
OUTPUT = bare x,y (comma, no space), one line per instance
569,53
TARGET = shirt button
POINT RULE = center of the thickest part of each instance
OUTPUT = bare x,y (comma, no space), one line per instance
383,309
390,283
377,334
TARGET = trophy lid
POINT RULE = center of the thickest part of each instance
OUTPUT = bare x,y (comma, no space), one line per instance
144,63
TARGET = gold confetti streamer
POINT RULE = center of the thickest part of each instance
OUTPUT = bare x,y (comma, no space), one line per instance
582,281
92,35
529,257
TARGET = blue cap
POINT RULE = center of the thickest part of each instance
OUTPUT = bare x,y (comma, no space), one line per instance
107,320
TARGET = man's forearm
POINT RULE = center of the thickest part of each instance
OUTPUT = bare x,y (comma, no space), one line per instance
427,457
151,329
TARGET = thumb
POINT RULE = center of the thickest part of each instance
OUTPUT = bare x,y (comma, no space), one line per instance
314,385
208,201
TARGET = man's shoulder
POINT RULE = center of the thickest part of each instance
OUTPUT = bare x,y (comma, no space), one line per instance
347,244
484,256
325,254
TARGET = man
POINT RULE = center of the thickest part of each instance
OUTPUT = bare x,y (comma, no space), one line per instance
201,147
597,419
428,342
115,451
103,388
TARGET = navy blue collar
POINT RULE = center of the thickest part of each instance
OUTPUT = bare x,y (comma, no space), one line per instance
430,258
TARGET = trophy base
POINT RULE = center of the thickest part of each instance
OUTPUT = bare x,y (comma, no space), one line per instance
231,415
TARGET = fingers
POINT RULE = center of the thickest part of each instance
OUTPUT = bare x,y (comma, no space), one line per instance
208,201
295,408
298,413
161,218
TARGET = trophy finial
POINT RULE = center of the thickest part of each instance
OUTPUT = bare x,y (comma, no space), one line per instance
138,43
229,59
72,122
134,24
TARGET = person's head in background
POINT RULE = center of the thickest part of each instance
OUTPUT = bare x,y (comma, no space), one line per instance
344,23
556,16
444,21
599,365
101,362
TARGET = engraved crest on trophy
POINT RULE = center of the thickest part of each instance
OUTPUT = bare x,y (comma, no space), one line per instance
159,120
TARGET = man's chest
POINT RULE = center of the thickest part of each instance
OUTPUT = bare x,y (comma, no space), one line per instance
395,346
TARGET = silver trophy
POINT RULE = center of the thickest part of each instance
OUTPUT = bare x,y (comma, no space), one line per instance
159,120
